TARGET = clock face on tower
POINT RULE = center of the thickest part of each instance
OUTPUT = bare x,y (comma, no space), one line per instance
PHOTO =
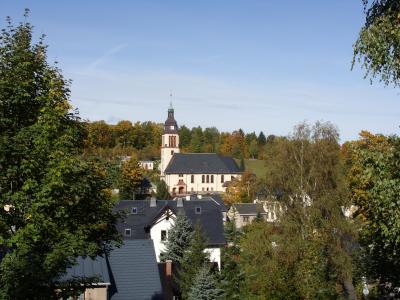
172,127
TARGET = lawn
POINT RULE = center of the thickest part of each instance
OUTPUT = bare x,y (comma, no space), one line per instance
256,166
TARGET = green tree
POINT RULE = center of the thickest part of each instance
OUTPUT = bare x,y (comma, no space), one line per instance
197,141
378,45
131,178
194,258
204,286
231,276
375,186
253,149
162,191
261,139
55,206
178,240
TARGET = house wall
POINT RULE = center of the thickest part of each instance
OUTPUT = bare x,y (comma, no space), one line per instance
198,186
164,224
98,293
155,232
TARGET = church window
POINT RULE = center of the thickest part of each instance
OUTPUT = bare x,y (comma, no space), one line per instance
208,178
212,178
163,235
203,177
192,179
222,179
172,152
207,189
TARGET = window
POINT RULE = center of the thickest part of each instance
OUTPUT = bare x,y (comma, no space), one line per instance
232,177
192,179
208,178
127,232
134,210
245,219
207,189
203,177
172,152
163,235
222,179
212,178
180,175
198,210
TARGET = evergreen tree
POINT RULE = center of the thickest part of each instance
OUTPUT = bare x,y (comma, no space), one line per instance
242,164
179,237
54,205
231,276
261,139
162,191
193,260
204,286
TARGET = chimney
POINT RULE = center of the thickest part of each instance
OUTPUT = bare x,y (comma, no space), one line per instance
187,197
179,202
168,268
199,196
153,202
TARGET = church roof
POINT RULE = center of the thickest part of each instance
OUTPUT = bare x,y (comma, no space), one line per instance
201,163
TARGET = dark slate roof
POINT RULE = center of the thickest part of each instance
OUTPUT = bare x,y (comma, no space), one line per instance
134,271
249,208
211,197
87,267
201,163
210,218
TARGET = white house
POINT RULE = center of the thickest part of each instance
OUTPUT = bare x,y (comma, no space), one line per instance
152,219
186,173
147,164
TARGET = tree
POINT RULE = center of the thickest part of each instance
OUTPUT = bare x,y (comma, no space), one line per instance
130,179
241,190
261,139
162,191
378,45
57,205
204,286
253,149
179,237
231,276
375,187
194,258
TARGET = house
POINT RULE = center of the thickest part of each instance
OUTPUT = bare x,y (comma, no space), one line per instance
188,173
152,219
147,164
244,213
128,272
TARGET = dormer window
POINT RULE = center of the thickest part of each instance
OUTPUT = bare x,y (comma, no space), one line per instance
134,210
197,210
127,232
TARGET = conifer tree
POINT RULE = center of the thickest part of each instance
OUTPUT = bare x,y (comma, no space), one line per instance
204,286
178,240
162,191
193,260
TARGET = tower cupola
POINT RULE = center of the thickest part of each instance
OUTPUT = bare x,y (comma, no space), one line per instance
170,125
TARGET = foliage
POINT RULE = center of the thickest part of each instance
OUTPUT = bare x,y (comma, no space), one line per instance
231,276
178,240
162,191
194,258
306,256
131,179
241,190
204,286
375,185
378,45
56,205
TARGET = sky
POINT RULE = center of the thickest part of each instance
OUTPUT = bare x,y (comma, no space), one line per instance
256,65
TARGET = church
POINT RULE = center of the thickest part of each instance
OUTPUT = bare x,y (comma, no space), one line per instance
188,173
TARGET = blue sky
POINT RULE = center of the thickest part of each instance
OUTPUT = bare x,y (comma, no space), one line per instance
255,65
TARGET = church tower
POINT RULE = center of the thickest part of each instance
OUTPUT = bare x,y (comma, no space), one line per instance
170,140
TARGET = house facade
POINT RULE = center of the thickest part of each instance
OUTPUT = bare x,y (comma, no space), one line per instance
152,219
188,173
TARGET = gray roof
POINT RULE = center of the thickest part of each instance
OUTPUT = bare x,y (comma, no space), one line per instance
134,271
88,268
201,163
210,217
211,197
249,208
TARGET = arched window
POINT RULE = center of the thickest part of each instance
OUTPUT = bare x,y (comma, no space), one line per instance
208,178
222,179
192,179
212,178
203,178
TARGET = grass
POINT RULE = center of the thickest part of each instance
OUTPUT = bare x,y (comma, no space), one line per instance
256,166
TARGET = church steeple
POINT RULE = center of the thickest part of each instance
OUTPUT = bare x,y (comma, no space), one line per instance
170,140
170,125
